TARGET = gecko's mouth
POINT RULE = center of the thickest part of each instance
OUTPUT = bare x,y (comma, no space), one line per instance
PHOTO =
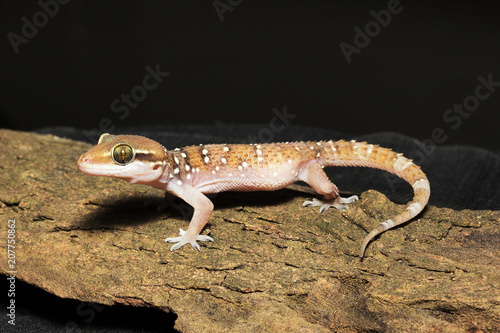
118,171
91,169
95,171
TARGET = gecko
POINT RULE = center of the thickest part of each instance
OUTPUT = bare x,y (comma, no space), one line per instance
192,172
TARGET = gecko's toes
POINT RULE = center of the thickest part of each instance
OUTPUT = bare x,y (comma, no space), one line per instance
183,240
350,199
314,203
336,203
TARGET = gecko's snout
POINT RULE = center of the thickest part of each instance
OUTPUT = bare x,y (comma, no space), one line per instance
84,163
82,160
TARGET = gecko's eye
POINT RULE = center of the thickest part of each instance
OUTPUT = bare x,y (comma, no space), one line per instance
122,153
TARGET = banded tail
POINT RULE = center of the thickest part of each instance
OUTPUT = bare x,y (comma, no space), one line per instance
352,153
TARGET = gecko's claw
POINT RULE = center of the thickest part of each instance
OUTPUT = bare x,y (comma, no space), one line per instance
183,240
336,203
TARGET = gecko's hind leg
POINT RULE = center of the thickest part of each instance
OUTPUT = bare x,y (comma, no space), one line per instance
314,175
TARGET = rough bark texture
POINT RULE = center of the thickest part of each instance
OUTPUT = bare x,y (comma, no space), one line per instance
274,266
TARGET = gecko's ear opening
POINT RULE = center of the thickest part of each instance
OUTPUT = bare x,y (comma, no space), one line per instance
106,137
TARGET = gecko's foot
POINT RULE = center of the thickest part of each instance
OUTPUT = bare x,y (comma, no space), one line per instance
183,240
336,203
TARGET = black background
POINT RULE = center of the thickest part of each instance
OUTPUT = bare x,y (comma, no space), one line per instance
261,55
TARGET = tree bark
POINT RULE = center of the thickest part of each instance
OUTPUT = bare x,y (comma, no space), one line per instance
274,265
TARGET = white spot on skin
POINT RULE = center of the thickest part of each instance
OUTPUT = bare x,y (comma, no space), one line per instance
179,182
240,167
275,174
213,172
388,224
188,176
183,155
206,159
354,146
415,208
223,160
406,165
289,161
296,148
226,149
197,169
176,159
401,163
217,168
204,151
176,170
230,175
369,150
421,184
260,159
188,167
244,164
332,147
259,152
318,154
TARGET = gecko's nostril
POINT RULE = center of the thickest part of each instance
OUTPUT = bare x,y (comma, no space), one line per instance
82,159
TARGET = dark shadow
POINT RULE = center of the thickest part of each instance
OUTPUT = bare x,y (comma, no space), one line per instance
124,212
138,211
40,311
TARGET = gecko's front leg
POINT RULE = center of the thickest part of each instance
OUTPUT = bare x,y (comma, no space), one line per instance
203,208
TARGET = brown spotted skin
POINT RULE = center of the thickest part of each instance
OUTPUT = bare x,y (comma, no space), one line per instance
192,171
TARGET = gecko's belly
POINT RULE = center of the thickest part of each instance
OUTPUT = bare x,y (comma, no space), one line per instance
244,184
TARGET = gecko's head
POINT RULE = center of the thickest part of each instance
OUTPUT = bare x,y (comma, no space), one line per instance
134,158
